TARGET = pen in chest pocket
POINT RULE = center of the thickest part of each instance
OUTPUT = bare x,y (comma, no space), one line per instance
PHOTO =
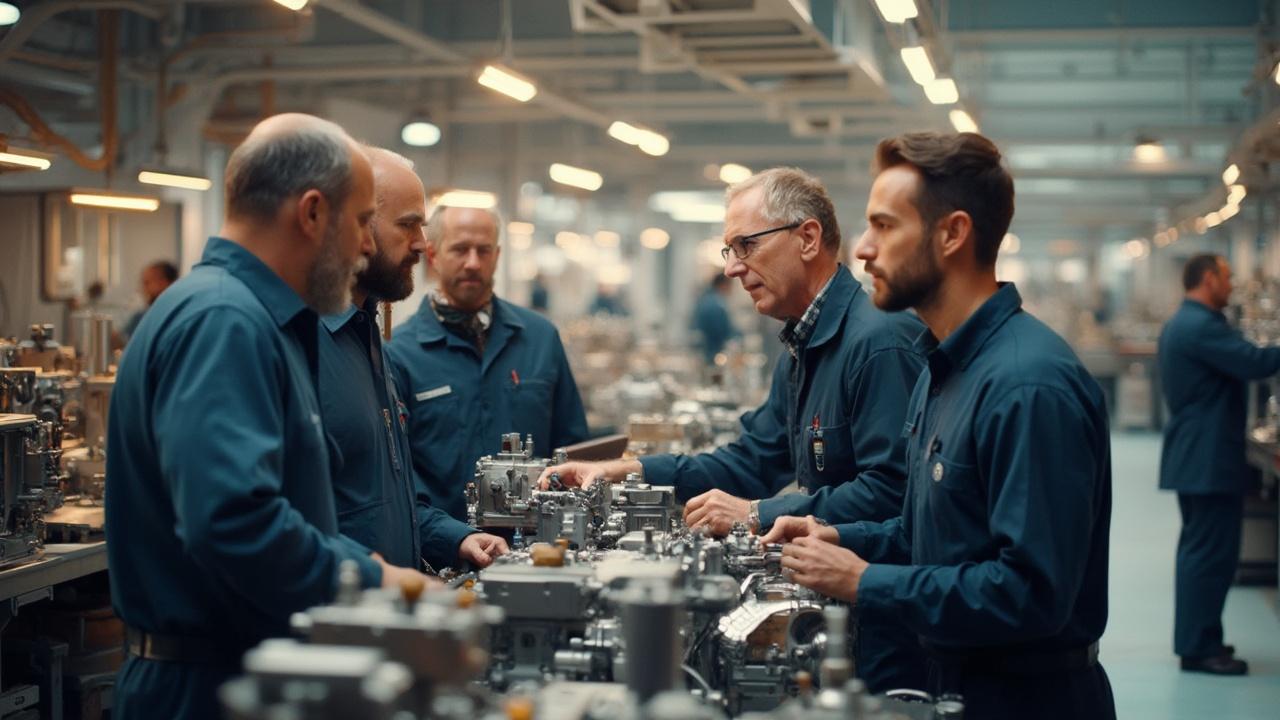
817,445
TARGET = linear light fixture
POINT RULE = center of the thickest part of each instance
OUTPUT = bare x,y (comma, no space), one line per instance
507,82
23,158
294,5
420,133
186,181
114,201
9,14
942,91
733,173
575,176
1149,151
1236,194
477,199
897,11
963,121
647,140
516,227
918,64
1231,175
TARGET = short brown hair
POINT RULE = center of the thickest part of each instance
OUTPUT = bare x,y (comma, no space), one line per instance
961,171
1197,267
792,195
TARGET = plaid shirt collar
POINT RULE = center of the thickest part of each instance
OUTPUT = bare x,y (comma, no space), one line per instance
796,333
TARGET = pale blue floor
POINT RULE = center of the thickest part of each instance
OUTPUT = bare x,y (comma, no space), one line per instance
1136,649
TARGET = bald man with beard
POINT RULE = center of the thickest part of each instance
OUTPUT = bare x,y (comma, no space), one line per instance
221,513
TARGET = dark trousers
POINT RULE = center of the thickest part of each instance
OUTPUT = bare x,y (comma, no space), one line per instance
1083,694
1208,551
889,656
155,690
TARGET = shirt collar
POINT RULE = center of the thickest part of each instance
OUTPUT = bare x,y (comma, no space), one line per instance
431,330
335,322
278,298
963,345
796,333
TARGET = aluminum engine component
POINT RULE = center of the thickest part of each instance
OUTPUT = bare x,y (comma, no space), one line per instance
287,679
24,454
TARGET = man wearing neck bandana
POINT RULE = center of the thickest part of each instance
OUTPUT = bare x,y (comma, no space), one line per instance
472,366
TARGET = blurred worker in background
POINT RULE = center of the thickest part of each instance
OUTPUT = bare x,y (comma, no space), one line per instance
833,418
155,278
221,512
539,296
711,319
1204,363
472,366
607,302
381,502
998,561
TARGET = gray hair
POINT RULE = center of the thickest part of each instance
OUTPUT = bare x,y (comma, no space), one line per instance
435,224
263,173
792,195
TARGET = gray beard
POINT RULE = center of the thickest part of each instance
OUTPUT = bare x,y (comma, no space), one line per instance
329,280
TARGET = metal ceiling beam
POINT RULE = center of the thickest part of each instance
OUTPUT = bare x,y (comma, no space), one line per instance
966,38
36,15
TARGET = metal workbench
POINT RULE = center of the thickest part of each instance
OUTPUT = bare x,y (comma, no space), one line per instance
60,563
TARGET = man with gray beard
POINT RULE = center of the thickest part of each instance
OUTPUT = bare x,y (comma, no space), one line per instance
221,513
381,501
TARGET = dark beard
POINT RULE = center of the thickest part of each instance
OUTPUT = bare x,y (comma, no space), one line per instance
386,280
914,285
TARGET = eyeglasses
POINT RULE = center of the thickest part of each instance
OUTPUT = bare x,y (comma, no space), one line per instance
743,246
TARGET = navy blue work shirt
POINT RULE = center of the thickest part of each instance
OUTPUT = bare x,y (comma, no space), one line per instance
381,503
1204,363
712,322
221,512
832,421
460,403
1004,535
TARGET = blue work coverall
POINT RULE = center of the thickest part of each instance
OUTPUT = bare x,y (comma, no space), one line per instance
380,501
460,403
1204,363
220,513
999,559
832,422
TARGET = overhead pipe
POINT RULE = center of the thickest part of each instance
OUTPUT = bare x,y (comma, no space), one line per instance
37,15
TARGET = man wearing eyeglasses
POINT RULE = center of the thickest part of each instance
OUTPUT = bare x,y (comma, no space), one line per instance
833,419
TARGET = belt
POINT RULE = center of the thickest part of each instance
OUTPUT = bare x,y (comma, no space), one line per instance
1015,662
181,648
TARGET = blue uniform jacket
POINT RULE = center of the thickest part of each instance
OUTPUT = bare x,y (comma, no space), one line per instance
381,503
221,513
1204,363
461,403
712,322
1008,512
851,384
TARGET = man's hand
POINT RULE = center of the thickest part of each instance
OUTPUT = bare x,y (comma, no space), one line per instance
394,575
786,529
717,510
480,549
823,567
585,474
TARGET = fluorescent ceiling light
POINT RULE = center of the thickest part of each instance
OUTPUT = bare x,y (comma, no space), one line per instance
496,77
186,181
942,91
1231,174
917,61
654,238
575,176
963,121
608,238
1235,194
515,227
567,239
698,213
25,159
114,201
897,11
1213,220
1149,152
477,199
420,133
293,4
9,13
733,173
648,141
1228,211
1277,75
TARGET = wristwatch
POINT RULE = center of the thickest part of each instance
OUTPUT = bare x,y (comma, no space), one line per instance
753,516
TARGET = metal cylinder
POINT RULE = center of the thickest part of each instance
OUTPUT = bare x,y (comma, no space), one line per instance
836,667
651,630
101,345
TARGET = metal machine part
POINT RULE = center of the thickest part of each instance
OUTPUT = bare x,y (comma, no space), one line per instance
438,636
23,496
651,619
287,679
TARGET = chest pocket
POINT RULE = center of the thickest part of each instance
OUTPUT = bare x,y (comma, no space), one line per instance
434,416
827,453
530,404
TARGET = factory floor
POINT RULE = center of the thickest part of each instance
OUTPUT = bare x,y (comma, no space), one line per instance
1136,649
